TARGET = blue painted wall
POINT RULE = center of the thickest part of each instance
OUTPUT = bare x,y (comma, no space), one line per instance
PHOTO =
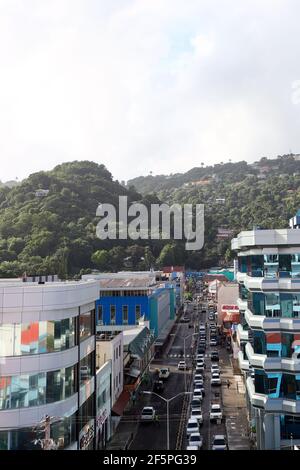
106,302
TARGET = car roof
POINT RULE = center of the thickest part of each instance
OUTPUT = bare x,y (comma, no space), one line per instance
219,436
195,434
215,405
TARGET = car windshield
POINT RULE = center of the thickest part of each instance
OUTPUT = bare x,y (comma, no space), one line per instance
147,412
193,425
195,438
216,409
219,442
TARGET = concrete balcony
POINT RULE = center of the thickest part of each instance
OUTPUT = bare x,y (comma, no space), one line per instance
272,405
264,284
242,334
272,364
262,322
243,363
242,304
265,238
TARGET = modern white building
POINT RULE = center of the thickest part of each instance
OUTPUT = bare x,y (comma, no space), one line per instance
104,405
269,334
110,348
47,364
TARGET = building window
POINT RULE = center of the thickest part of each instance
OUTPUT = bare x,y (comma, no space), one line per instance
37,337
125,314
85,325
86,368
100,315
137,312
37,389
112,314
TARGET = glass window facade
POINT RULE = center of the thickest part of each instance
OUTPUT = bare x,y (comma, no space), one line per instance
277,385
270,266
86,325
86,368
37,389
277,344
64,433
37,337
274,304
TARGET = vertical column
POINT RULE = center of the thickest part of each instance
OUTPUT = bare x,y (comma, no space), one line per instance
277,436
269,435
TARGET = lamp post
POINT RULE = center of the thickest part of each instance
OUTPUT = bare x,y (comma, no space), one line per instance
167,401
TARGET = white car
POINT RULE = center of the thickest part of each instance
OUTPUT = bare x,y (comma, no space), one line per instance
198,377
196,440
219,442
213,342
215,412
192,448
198,394
215,379
200,365
192,426
148,413
215,368
196,413
198,382
182,365
200,357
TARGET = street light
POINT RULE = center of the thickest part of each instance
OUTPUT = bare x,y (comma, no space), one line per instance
167,400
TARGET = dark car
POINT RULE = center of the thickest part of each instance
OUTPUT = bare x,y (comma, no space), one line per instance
158,386
201,349
214,355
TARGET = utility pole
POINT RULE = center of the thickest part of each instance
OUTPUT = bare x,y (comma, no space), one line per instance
47,443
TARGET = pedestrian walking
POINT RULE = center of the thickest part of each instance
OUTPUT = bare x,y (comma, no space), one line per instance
228,383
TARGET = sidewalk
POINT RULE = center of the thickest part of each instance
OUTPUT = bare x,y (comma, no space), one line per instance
235,410
127,427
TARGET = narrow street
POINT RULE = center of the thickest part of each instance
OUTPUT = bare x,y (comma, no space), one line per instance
153,435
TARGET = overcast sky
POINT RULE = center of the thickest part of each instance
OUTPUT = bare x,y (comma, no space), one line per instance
147,85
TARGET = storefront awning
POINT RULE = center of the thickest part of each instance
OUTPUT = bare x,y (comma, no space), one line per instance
133,372
119,406
164,333
233,317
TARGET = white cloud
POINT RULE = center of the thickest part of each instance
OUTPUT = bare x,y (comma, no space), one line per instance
146,85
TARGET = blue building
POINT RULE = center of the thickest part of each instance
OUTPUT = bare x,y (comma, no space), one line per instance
127,298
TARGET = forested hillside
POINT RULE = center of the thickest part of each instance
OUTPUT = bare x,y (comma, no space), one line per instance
54,230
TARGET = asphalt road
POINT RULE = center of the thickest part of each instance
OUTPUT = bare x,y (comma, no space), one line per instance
153,436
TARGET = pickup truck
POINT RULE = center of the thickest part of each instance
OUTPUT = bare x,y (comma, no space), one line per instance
215,412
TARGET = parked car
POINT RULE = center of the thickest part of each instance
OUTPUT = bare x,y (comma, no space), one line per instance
219,442
214,355
215,412
182,365
196,440
192,426
215,379
164,373
196,413
148,413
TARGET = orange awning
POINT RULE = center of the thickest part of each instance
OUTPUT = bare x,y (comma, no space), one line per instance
119,406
